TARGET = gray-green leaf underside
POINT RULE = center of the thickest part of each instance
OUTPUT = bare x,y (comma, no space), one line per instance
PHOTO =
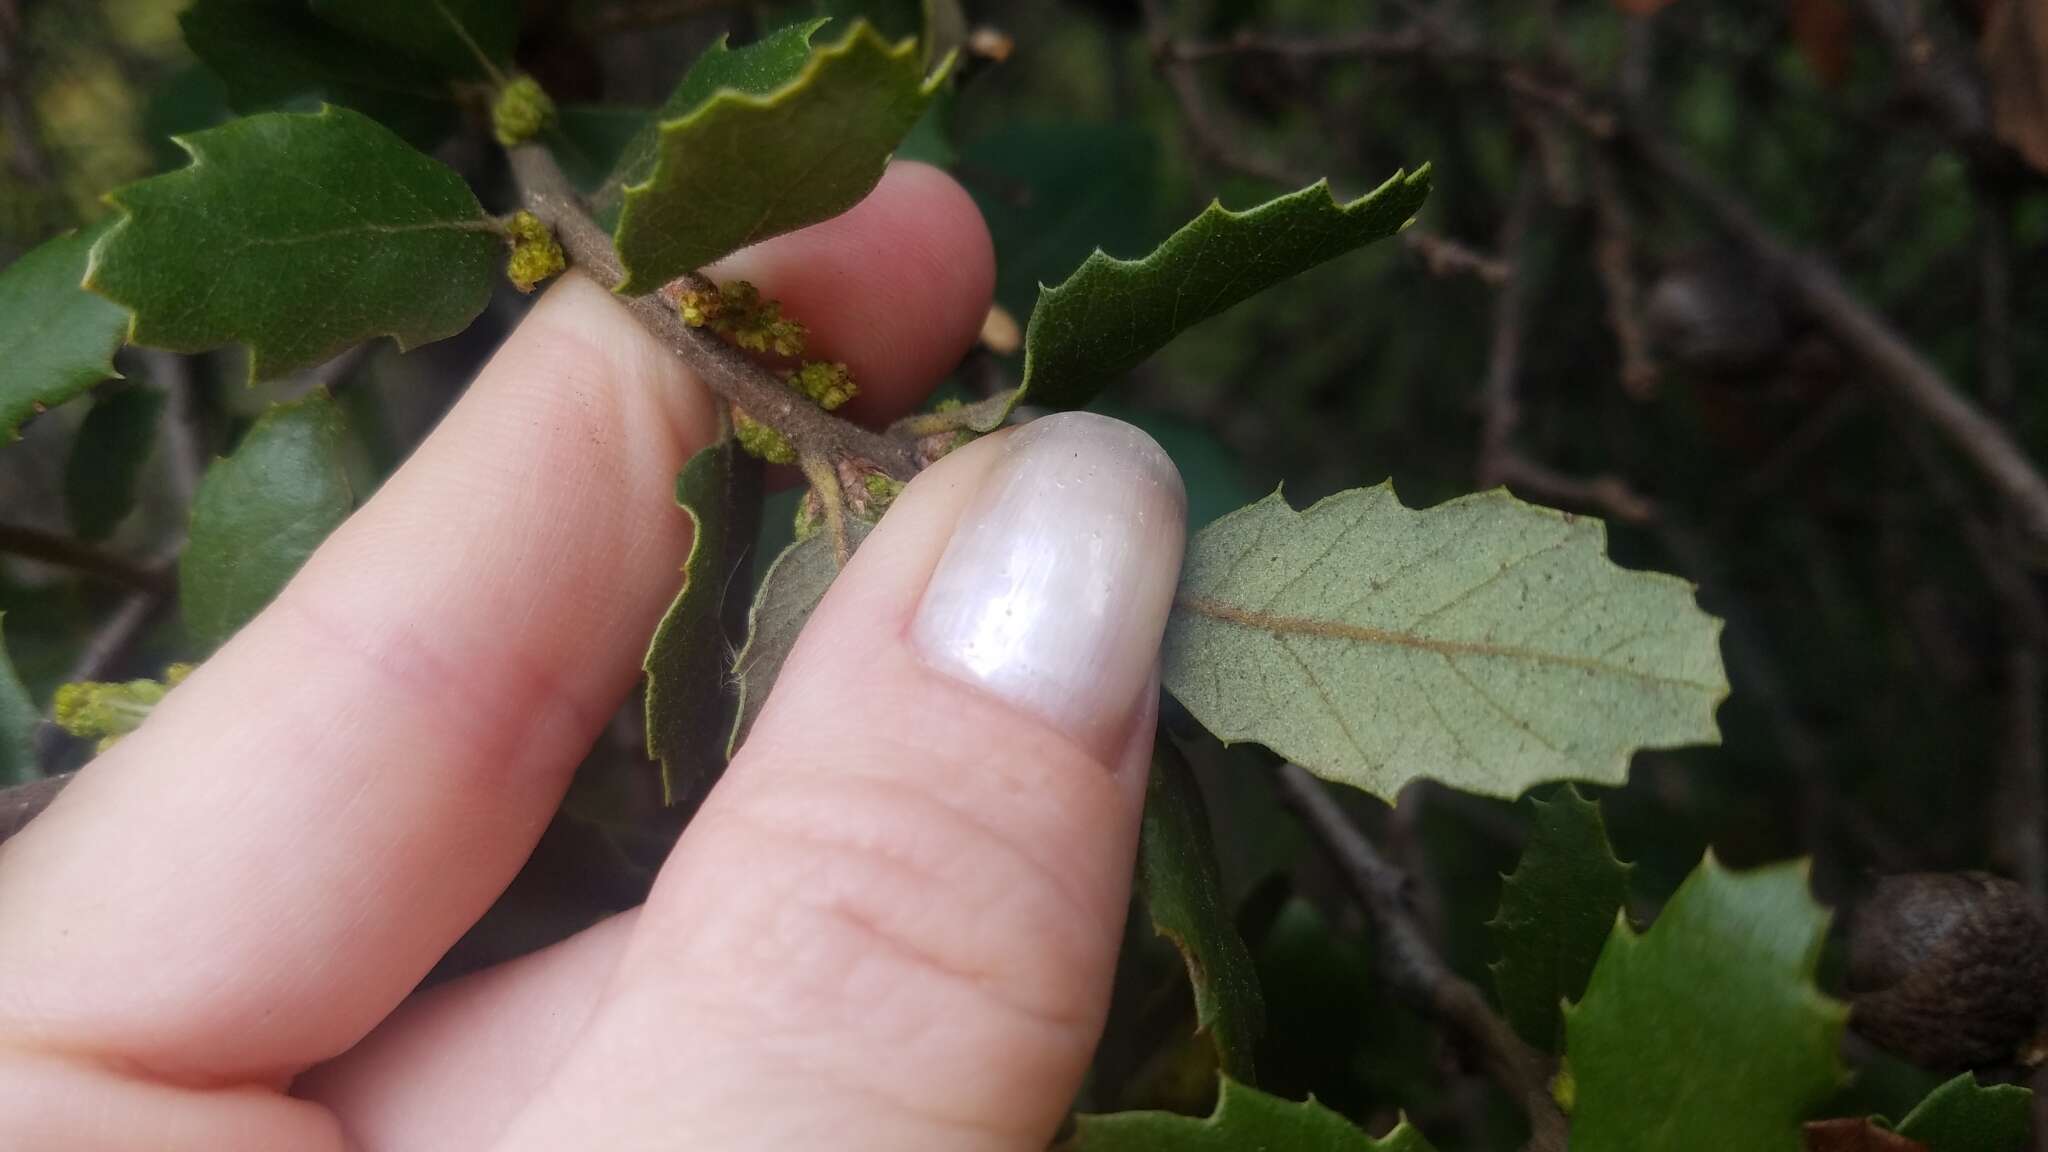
56,339
298,234
1484,643
789,593
742,167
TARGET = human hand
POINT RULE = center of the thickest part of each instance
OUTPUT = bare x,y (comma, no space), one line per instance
891,926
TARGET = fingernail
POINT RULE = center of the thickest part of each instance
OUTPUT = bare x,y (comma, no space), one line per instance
1054,590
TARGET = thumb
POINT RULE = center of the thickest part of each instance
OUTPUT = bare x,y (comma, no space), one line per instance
894,923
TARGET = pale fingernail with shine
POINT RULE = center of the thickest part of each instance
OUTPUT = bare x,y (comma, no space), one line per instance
1054,590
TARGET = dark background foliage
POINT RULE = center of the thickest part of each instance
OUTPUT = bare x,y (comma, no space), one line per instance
1573,316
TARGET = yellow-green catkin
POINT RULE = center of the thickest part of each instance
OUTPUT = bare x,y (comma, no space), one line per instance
521,111
759,439
882,491
536,254
829,385
93,710
738,312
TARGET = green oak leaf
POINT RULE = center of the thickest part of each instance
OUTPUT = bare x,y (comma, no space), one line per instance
743,167
756,69
588,139
1183,888
1484,643
1706,1033
1556,911
18,718
789,593
106,460
463,39
1245,1120
260,512
1111,314
270,53
298,234
56,339
1965,1116
688,709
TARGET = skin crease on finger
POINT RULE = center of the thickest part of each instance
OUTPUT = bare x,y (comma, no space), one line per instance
211,961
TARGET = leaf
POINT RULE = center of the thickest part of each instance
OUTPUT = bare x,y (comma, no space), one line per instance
1555,913
688,709
298,234
107,457
463,39
1110,315
1183,889
1706,1033
1245,1120
269,53
1853,1134
56,339
588,139
260,512
1965,1116
788,595
743,167
1484,643
18,719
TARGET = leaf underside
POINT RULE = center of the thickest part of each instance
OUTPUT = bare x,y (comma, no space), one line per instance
1183,889
260,513
1245,1120
1484,643
298,234
689,712
17,722
1110,315
1965,1116
1556,911
105,465
790,592
56,339
743,167
1706,1033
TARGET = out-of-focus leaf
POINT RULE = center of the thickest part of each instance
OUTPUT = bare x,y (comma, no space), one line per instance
17,724
1183,889
1853,1134
464,39
1245,1120
56,339
1485,643
588,139
1965,1116
1110,315
689,711
788,595
271,53
1556,912
1706,1033
298,235
743,167
260,512
107,458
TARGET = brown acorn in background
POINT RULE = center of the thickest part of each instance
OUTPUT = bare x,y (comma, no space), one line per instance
1950,970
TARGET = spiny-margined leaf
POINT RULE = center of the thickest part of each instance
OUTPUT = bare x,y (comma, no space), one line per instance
463,39
1183,888
1111,315
56,339
744,167
260,512
689,712
758,69
1484,643
1706,1033
298,234
1245,1120
787,597
17,723
1965,1116
271,53
107,456
1556,912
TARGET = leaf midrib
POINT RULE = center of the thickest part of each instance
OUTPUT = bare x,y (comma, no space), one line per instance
1283,625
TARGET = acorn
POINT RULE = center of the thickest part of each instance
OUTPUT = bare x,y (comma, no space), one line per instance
1950,970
